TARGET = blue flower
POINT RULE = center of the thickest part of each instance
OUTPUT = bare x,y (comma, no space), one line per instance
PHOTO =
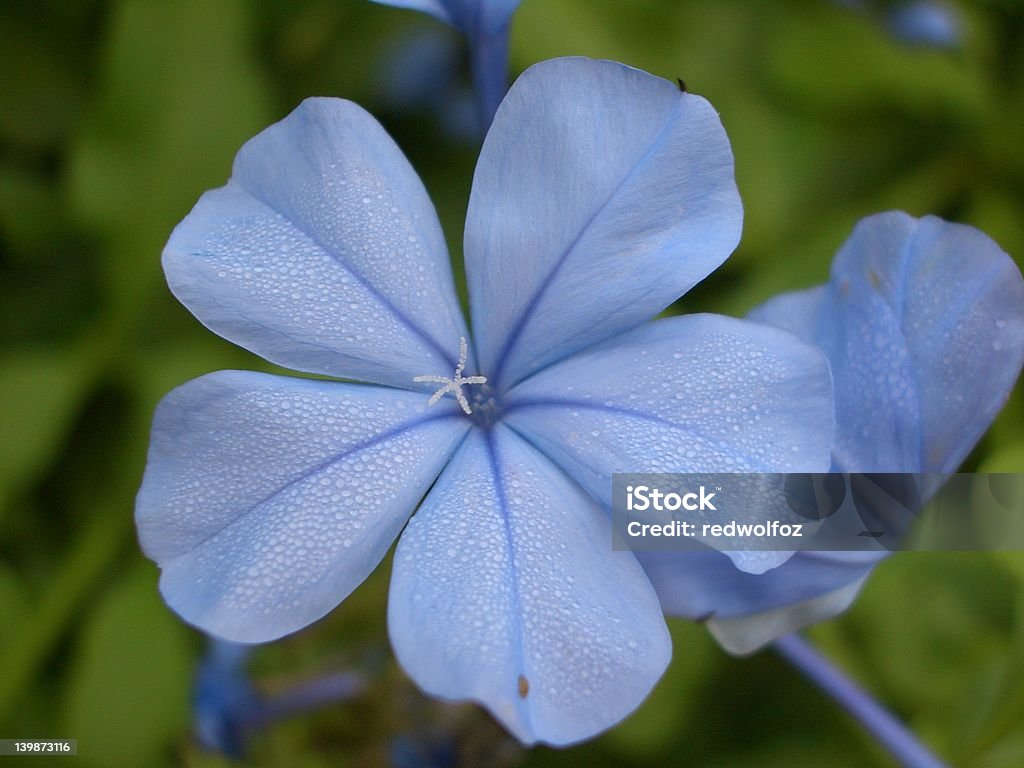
474,18
923,325
224,702
418,73
485,24
926,23
601,194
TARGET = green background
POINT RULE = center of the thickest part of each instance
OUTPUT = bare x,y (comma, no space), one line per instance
116,116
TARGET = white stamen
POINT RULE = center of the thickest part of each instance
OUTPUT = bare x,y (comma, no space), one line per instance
454,385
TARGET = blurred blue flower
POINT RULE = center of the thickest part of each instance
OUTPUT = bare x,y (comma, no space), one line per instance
419,72
476,19
416,67
408,752
227,709
601,194
925,23
224,703
923,325
485,24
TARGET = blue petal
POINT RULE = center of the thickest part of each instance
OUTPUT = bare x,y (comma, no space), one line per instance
267,500
323,253
470,16
699,393
749,633
746,611
506,590
923,324
797,312
706,585
602,194
435,8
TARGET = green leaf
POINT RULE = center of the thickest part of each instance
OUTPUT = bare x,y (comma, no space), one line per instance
127,697
923,635
29,209
14,599
44,47
179,93
39,392
587,28
840,62
656,724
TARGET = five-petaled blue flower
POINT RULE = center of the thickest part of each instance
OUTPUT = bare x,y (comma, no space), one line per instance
601,194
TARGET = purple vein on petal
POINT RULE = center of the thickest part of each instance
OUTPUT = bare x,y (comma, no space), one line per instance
385,302
619,410
516,331
510,543
313,471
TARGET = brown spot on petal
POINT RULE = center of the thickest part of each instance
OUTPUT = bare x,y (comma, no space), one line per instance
524,686
874,279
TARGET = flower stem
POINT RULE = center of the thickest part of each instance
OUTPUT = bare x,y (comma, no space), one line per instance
228,709
890,733
309,696
490,73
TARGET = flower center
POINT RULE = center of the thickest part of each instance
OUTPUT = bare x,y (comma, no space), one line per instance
485,405
485,402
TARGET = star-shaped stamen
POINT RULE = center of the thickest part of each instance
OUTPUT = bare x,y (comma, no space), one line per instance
454,385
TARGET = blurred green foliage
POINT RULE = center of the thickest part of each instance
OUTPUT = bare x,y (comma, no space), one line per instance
116,115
